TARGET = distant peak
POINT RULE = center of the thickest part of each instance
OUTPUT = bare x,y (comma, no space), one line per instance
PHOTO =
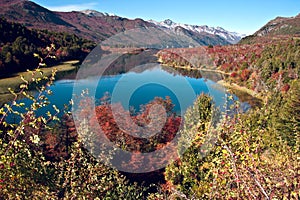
220,28
168,22
95,13
92,12
89,10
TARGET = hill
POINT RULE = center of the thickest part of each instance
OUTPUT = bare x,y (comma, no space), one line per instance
263,66
277,29
281,26
19,44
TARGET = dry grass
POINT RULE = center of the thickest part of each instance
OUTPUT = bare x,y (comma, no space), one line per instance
243,93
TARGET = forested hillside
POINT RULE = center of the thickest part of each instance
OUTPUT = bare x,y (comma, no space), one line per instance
260,67
19,44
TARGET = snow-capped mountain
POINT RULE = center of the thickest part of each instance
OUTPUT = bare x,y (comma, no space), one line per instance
94,13
231,37
100,26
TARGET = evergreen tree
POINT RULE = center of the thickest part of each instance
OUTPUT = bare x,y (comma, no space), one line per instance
289,115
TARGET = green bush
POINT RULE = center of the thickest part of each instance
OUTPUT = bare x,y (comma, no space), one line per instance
250,159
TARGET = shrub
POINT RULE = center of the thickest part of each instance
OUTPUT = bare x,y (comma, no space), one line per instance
249,160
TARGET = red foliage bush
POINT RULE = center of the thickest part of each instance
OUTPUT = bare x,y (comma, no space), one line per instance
233,74
285,88
126,130
245,74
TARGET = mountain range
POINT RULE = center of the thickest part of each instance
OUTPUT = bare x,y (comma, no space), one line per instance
97,26
231,37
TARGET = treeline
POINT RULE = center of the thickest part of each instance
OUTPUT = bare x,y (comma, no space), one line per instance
18,45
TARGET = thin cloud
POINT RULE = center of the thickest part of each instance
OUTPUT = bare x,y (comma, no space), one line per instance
73,7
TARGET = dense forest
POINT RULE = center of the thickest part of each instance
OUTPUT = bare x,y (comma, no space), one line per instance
19,44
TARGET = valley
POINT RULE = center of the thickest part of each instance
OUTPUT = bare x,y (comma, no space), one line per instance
99,106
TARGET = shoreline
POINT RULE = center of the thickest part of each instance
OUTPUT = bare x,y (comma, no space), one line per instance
192,68
240,91
234,86
221,82
203,69
15,81
243,93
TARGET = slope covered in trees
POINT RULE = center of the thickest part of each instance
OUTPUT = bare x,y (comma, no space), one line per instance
19,44
260,67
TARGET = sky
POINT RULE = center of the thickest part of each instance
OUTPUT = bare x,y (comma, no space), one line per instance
233,15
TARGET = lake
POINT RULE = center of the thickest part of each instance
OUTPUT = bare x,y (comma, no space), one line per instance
138,87
134,78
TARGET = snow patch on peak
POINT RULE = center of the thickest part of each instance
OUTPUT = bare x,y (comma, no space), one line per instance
94,13
231,37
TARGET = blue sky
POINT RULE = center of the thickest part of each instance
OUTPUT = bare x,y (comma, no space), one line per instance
234,15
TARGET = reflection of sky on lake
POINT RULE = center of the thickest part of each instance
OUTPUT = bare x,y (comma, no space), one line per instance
139,88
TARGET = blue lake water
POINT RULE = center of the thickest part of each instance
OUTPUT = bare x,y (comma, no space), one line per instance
133,89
